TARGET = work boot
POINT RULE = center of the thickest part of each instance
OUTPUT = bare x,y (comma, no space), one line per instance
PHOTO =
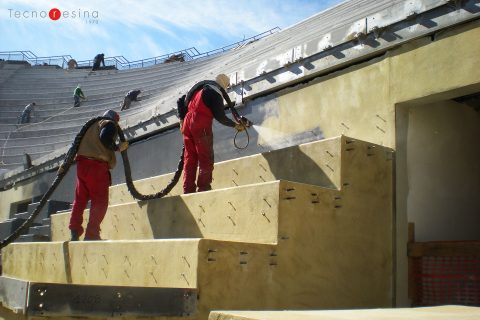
74,235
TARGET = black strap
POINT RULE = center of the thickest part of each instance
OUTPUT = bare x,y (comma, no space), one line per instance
203,83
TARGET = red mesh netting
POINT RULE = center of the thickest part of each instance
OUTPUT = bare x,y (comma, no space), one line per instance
447,280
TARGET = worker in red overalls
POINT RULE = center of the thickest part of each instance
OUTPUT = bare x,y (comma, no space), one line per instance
95,157
206,103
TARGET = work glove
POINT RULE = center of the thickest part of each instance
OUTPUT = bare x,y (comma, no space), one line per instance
123,146
60,170
181,126
181,101
181,107
239,127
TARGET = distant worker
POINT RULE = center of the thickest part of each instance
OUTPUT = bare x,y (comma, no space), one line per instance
99,58
131,95
72,64
196,125
77,95
27,113
95,158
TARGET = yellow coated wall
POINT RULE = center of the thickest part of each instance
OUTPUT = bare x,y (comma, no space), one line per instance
360,101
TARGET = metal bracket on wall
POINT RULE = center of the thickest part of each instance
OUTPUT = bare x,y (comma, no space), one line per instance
49,299
53,299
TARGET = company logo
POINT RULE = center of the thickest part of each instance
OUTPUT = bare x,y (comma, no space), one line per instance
54,14
89,16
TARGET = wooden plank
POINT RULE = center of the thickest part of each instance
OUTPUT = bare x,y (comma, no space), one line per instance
444,248
429,313
411,280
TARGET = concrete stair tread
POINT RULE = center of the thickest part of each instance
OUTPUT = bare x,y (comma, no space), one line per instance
143,263
424,313
316,163
33,238
246,213
41,230
8,226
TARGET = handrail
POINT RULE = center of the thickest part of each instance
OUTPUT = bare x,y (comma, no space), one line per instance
239,43
31,58
120,62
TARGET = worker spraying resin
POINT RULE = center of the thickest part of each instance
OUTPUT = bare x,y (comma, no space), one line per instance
196,111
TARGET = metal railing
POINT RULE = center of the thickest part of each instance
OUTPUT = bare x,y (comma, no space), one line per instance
121,63
30,57
239,43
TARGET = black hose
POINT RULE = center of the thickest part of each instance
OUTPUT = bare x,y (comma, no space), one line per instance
67,162
128,176
70,156
235,140
230,105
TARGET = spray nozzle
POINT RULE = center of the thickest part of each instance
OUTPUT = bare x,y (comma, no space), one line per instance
247,123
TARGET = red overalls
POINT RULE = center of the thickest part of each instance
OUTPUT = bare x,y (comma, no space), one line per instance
93,180
198,141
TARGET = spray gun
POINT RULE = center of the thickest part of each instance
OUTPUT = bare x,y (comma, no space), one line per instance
246,123
240,119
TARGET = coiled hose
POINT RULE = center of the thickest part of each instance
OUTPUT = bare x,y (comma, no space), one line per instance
67,163
70,157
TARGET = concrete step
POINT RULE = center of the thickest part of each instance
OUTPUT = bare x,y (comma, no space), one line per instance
120,263
135,116
64,80
45,132
46,147
318,163
322,250
225,214
9,166
8,226
33,238
302,233
105,89
45,111
43,230
22,215
424,313
51,207
25,142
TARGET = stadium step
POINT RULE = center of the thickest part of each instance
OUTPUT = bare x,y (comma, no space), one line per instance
43,230
8,226
248,213
255,241
315,163
51,207
423,313
40,228
33,238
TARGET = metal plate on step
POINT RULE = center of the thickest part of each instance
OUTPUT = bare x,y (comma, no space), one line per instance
13,294
83,300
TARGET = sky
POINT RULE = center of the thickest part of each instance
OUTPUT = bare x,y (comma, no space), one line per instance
142,29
